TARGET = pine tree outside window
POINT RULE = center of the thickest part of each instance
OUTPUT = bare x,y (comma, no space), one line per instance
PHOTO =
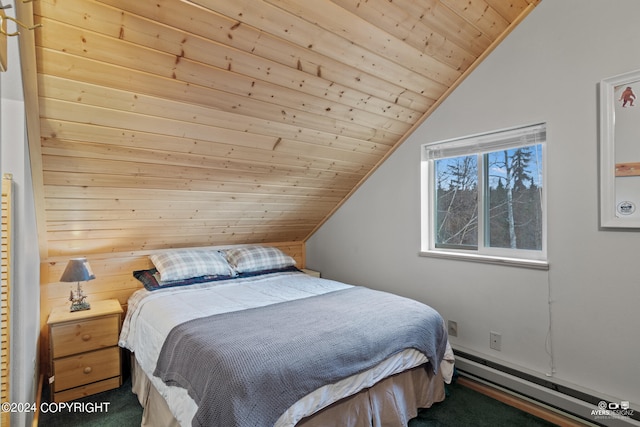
483,197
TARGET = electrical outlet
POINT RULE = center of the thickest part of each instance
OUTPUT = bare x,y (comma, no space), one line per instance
452,328
495,341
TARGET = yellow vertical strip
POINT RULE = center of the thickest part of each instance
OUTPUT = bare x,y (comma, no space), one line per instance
5,303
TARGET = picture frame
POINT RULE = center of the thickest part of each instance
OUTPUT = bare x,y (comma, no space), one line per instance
619,149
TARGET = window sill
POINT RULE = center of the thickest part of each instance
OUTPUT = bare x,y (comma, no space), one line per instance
488,259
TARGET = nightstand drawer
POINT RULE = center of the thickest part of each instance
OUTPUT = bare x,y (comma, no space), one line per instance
86,368
86,390
91,334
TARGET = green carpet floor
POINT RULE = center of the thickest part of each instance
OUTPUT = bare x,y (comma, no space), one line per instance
462,408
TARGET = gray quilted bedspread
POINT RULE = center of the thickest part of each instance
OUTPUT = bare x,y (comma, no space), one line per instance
245,368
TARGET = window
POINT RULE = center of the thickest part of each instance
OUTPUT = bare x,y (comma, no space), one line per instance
484,197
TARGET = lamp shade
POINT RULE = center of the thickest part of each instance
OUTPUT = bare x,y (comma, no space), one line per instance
77,270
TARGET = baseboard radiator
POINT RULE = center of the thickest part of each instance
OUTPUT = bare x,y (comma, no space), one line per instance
546,392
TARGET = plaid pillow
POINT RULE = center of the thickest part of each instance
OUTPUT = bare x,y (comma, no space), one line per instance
257,258
184,264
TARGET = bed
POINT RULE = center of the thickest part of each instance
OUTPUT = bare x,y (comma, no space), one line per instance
242,337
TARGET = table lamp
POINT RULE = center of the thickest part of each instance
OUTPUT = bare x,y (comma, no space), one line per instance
78,270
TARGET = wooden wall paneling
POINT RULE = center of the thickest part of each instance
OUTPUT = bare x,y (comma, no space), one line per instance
189,225
227,30
72,67
75,204
191,234
444,21
97,181
126,101
484,17
188,231
296,30
111,167
314,155
113,218
81,132
95,46
141,194
56,109
185,44
136,200
336,20
409,28
90,150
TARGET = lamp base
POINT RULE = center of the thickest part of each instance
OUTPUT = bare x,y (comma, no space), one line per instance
79,306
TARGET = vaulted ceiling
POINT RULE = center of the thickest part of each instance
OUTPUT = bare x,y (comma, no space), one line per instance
173,123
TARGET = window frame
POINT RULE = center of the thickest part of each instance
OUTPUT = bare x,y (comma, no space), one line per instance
480,145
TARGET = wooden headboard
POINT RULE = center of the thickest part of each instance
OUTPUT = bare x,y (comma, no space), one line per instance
114,279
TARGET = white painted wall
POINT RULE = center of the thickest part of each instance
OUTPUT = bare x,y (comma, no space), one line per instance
547,70
25,309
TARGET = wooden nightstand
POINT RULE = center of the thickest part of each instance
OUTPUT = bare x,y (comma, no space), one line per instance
84,355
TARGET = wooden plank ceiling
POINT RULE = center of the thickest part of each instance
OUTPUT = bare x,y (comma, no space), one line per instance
172,123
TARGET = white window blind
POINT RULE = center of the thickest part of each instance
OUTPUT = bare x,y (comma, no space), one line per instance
486,142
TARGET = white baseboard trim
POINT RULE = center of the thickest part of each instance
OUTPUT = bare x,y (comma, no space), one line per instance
552,399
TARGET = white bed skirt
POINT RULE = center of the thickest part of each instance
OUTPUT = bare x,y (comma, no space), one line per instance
391,402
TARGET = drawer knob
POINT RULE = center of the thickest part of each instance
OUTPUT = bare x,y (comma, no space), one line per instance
86,337
88,370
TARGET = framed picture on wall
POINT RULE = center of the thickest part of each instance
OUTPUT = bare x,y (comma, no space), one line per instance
620,151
